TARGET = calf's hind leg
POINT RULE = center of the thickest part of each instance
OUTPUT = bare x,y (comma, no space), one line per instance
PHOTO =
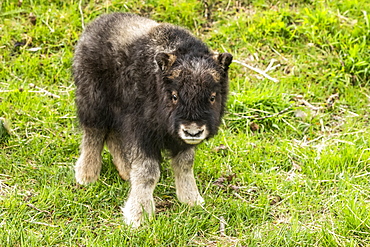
116,149
186,187
88,165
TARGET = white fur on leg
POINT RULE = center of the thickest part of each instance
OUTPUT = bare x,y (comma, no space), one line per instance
187,190
143,177
186,187
88,166
87,170
135,209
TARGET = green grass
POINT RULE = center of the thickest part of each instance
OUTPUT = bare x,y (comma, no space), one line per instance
299,148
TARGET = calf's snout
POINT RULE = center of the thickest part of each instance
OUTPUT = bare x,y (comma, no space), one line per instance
193,133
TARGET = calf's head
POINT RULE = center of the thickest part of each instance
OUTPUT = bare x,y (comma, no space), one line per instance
194,92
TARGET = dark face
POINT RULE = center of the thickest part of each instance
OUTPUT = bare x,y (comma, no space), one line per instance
195,95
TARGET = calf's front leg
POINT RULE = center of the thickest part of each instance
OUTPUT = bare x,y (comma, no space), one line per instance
144,175
186,187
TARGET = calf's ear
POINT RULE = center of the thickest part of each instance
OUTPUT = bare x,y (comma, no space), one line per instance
165,60
224,59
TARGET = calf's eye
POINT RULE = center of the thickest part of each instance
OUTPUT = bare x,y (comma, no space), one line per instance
174,97
212,98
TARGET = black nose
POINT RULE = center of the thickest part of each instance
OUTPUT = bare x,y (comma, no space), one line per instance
190,132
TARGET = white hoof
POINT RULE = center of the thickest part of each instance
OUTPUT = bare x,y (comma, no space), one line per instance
85,179
135,211
191,199
85,175
131,220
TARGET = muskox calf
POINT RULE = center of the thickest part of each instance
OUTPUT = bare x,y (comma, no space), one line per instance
143,87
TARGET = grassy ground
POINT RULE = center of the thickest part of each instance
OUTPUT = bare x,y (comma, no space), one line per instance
291,163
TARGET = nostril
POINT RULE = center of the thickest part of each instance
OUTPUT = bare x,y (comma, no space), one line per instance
193,133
